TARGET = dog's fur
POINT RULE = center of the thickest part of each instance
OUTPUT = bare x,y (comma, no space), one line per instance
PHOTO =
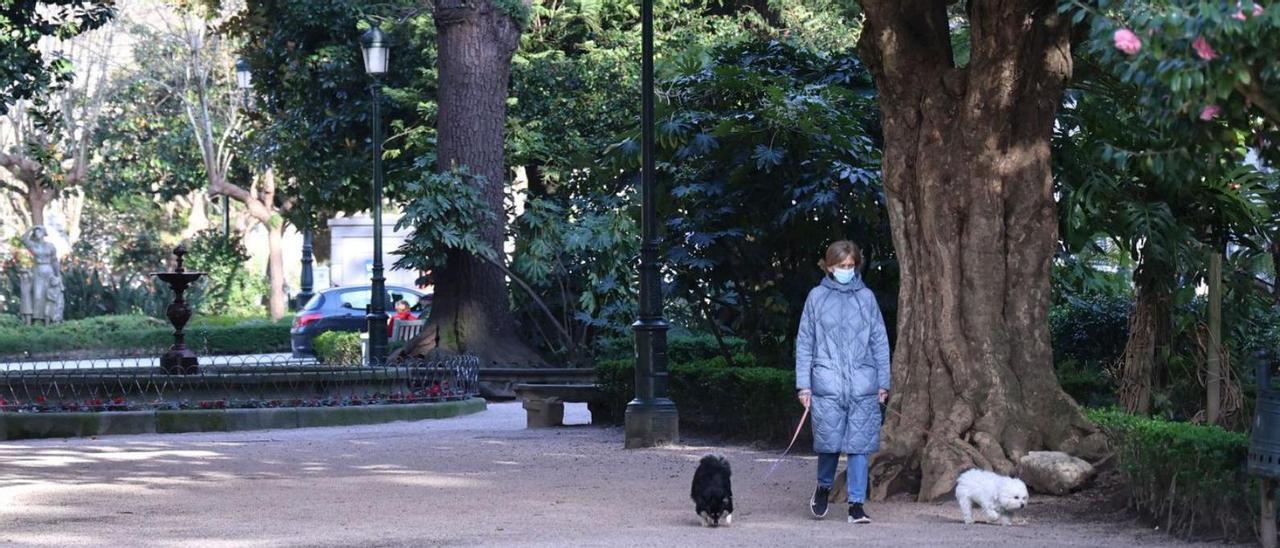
712,491
996,495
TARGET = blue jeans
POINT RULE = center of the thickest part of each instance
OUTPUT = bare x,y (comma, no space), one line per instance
827,464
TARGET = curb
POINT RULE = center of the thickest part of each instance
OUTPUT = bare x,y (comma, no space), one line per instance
22,426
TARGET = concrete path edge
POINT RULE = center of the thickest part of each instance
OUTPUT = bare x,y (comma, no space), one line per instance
20,426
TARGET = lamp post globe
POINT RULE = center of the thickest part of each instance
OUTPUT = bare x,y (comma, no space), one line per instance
374,46
244,77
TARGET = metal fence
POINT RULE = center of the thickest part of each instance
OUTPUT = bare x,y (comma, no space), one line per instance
136,382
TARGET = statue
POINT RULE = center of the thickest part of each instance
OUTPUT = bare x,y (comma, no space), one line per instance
46,279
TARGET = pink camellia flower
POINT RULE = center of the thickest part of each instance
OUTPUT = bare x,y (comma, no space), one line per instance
1127,41
1203,49
1238,15
1210,112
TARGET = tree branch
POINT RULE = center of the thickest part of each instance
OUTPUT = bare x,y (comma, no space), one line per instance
1253,92
564,334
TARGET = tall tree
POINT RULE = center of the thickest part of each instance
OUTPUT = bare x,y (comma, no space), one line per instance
195,67
971,206
25,70
475,42
45,142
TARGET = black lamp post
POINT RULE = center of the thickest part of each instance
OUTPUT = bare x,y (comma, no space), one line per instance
375,48
308,279
651,418
244,81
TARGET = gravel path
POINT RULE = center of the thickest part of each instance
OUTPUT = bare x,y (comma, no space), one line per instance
476,480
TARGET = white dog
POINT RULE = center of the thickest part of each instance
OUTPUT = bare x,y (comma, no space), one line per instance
997,495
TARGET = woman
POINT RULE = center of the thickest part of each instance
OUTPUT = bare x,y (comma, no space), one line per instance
842,375
46,277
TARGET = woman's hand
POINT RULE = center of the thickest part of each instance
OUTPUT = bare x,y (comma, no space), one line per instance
804,397
884,395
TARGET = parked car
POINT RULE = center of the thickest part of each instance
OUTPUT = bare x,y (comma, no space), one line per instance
344,309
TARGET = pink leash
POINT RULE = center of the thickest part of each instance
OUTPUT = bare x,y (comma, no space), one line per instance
795,436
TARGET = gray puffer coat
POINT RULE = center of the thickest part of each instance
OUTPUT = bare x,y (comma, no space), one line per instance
842,356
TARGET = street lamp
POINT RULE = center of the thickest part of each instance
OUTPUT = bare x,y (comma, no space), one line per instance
244,81
651,418
374,46
308,278
244,78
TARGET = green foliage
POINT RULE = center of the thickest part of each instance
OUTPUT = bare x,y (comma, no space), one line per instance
519,12
338,348
1185,475
769,153
226,288
681,349
446,214
743,403
1195,57
1091,328
108,334
559,257
312,101
25,71
1089,332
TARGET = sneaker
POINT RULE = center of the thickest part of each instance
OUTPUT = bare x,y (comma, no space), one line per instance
857,515
818,504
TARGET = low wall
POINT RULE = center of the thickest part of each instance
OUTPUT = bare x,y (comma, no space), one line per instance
18,426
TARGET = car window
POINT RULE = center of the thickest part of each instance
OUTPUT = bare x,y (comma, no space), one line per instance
315,303
407,297
357,300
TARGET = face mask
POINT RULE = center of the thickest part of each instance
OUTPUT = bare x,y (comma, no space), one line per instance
844,275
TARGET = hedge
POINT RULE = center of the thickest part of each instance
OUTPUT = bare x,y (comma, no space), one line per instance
680,349
744,403
338,347
1188,478
140,333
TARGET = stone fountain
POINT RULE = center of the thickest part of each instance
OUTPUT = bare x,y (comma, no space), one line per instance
179,360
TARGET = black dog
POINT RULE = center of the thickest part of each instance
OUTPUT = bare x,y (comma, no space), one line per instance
712,493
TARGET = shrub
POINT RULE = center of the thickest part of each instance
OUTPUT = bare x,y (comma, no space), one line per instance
1090,328
746,403
680,349
143,334
1189,478
338,348
226,288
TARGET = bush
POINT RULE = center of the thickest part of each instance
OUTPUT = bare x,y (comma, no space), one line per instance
1189,478
226,288
338,348
744,403
680,349
143,334
1090,328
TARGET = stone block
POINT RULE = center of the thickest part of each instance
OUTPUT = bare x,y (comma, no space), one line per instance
543,413
1053,472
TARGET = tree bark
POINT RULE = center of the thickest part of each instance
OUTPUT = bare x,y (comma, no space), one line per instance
260,205
970,196
276,301
1150,330
471,310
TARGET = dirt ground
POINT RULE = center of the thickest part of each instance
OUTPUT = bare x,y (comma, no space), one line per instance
480,480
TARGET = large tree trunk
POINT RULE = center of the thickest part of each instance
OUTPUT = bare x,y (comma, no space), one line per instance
471,312
967,175
276,301
1150,330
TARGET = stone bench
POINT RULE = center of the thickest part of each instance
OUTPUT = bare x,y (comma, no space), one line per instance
544,403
